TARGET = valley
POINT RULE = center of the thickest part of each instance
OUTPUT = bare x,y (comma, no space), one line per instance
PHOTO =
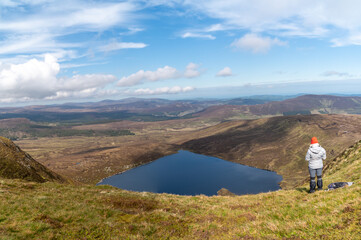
273,143
278,144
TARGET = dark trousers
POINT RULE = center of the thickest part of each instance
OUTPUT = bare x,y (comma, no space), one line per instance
313,173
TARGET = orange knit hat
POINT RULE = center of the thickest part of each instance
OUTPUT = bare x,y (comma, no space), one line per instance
314,140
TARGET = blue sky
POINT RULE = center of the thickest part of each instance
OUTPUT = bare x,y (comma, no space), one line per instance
73,50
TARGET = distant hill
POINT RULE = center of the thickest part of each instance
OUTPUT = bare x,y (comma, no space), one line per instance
245,101
20,128
133,109
15,163
304,105
311,103
108,110
277,143
13,123
155,109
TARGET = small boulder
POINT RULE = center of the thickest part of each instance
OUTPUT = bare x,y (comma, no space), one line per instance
225,192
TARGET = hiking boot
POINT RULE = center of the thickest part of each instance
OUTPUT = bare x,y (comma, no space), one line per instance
319,184
312,186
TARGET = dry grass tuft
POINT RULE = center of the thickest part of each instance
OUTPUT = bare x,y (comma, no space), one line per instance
51,221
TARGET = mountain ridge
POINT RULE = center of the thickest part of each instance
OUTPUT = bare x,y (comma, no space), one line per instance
305,104
163,109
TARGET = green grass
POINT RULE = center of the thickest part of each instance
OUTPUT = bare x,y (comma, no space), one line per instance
53,211
59,211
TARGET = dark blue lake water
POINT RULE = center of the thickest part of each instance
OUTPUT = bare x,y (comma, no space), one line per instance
187,173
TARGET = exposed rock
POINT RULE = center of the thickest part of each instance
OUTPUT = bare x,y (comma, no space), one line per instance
225,192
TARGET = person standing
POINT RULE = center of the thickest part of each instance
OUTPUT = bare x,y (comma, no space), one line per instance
315,155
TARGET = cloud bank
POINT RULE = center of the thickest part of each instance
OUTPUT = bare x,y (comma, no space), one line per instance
256,44
192,71
336,74
225,72
339,21
198,35
163,90
37,79
141,76
44,26
121,45
164,73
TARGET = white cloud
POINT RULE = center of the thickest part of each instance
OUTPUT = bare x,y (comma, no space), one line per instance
257,15
43,25
16,3
256,44
307,18
335,74
74,65
93,93
37,79
132,30
192,71
216,27
141,76
163,90
121,45
87,81
8,3
164,73
197,35
225,72
352,39
59,18
31,79
33,43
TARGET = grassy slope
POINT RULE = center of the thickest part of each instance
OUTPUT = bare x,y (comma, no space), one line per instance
51,210
15,163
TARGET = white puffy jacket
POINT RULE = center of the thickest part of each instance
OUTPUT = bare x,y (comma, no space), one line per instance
315,155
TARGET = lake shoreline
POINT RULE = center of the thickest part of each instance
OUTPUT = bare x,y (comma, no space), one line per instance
196,166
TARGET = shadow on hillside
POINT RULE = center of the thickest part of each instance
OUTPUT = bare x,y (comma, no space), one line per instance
302,189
